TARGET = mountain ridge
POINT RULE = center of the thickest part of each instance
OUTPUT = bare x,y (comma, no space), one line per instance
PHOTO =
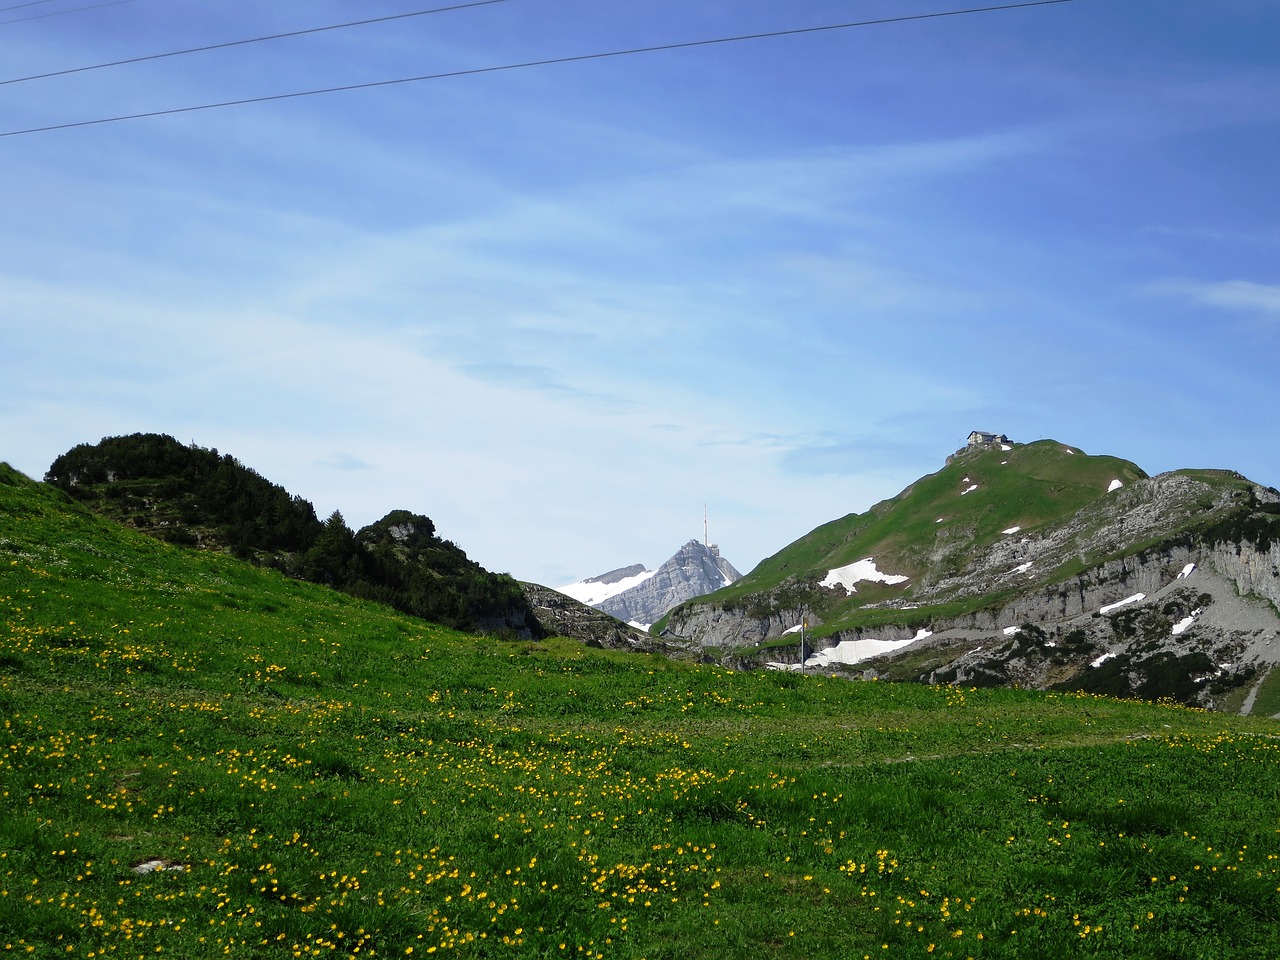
194,496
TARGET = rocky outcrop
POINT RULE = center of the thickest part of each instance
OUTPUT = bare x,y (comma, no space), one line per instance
708,625
563,616
1253,571
1150,509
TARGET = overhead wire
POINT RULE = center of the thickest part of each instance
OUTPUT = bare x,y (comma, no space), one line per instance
19,6
527,64
60,13
240,43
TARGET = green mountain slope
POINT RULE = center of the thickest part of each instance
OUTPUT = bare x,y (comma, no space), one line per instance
203,758
931,529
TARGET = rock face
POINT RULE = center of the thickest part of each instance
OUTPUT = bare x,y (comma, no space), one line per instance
695,570
563,616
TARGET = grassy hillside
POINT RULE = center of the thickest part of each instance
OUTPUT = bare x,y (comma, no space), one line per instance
1028,486
931,528
201,758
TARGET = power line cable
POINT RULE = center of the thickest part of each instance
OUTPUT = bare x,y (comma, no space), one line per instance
577,58
19,6
59,13
239,43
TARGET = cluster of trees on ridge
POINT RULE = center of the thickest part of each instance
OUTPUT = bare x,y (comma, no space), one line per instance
193,496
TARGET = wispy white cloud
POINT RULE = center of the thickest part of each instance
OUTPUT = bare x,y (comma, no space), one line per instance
1239,296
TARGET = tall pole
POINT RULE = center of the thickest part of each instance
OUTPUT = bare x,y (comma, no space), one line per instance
803,624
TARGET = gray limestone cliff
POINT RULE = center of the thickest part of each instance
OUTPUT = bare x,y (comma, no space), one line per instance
695,570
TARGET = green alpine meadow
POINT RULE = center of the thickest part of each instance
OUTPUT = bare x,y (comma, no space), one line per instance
202,757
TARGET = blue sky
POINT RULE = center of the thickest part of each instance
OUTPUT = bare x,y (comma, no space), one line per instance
559,309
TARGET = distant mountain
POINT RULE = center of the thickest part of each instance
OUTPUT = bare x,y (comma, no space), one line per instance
639,596
1025,564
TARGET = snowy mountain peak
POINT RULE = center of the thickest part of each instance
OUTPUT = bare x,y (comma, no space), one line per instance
641,596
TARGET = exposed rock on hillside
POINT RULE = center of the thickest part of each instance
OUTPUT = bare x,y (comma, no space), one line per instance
563,616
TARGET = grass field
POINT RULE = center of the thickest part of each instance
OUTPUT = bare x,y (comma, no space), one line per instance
204,759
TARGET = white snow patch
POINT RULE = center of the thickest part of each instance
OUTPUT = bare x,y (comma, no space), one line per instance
1068,450
1004,463
1114,485
1187,571
1010,631
639,626
853,573
796,629
846,652
1102,659
1011,530
1185,623
1120,603
969,489
1005,448
1022,567
939,520
593,593
922,634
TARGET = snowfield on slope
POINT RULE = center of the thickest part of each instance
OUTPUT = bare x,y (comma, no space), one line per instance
859,572
593,593
1136,598
849,652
